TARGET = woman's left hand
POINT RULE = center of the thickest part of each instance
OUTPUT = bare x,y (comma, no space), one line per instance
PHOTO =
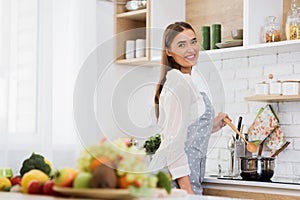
218,122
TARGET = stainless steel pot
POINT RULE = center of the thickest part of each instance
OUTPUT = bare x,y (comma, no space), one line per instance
257,168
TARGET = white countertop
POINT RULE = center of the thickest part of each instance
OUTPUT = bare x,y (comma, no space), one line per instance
195,197
20,196
252,186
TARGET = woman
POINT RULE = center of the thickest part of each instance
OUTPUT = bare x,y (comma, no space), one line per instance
186,115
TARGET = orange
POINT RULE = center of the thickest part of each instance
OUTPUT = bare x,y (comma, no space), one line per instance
98,161
33,174
123,183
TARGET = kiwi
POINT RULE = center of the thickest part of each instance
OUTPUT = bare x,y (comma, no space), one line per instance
104,177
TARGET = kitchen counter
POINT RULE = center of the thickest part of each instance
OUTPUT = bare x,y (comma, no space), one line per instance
20,196
250,189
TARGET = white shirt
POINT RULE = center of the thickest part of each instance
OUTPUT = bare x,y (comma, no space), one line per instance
180,105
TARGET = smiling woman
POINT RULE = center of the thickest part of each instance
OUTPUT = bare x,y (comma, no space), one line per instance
184,49
185,114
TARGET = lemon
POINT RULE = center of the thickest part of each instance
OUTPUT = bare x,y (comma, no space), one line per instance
33,174
4,182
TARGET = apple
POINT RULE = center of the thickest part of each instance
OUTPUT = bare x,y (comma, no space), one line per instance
82,180
48,188
35,187
65,177
16,180
138,183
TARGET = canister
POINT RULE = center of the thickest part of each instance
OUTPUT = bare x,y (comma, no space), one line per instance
140,48
216,35
130,49
262,88
275,87
205,37
290,88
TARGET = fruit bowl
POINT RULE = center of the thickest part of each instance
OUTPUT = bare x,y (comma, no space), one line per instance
115,194
95,193
120,165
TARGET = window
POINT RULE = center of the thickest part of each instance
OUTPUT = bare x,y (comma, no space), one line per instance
19,58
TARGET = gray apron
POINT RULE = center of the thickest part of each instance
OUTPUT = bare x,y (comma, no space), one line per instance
196,145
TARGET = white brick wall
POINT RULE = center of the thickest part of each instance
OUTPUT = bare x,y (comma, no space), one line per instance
297,68
239,76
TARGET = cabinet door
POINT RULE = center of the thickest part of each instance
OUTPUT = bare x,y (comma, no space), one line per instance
162,13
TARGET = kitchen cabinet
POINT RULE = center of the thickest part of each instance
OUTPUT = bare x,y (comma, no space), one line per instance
149,24
251,189
247,14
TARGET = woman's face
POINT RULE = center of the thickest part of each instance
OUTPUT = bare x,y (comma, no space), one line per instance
184,48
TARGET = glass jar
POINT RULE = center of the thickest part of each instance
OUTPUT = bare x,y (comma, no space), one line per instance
272,30
292,26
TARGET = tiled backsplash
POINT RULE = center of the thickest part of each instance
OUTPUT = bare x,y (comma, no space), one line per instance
239,76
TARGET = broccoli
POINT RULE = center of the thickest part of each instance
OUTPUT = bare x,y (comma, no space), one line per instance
35,161
152,144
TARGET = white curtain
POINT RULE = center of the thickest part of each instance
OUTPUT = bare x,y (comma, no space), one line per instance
18,73
42,46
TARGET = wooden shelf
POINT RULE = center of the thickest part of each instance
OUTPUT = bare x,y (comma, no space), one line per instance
273,98
147,24
138,15
137,61
251,50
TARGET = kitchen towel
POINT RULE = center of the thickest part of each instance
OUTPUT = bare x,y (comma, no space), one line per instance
265,123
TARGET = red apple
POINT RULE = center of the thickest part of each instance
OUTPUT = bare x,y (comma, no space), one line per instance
48,188
65,177
35,187
138,183
16,180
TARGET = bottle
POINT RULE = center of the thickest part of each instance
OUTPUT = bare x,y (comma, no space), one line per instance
292,25
271,30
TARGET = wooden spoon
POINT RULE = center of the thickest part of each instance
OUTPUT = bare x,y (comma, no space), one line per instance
251,147
262,143
281,149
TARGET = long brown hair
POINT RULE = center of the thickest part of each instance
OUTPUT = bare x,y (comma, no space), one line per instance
167,62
